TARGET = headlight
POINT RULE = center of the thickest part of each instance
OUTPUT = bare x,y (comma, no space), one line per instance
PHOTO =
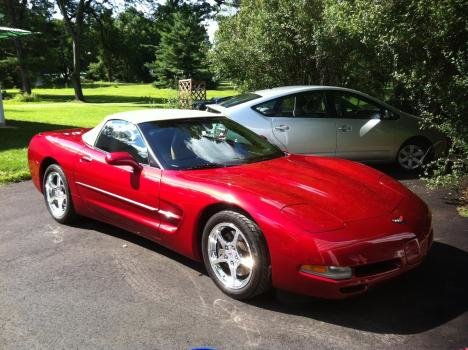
333,272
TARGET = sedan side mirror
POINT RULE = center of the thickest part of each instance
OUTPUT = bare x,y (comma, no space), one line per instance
386,114
123,158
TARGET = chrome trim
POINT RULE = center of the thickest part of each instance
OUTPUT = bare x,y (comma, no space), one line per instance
130,201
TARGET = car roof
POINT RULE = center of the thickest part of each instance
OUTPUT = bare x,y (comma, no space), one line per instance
146,115
281,91
284,90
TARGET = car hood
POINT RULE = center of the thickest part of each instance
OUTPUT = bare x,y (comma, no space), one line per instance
347,190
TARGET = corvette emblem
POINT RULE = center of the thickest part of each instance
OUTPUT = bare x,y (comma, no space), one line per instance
399,220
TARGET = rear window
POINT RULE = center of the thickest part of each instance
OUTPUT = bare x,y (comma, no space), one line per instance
237,100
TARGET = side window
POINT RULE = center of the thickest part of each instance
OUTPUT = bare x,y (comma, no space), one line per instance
304,105
356,107
122,136
287,107
267,108
311,105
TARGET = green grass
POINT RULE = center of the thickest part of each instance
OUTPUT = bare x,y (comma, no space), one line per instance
55,109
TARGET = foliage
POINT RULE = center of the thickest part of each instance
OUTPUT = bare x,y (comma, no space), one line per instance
410,53
184,44
125,44
268,43
22,97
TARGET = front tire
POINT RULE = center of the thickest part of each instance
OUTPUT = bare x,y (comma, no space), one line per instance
57,194
236,255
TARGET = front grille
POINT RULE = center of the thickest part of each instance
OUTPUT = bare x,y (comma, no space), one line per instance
377,268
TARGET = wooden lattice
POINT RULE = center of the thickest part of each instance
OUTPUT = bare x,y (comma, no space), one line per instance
191,90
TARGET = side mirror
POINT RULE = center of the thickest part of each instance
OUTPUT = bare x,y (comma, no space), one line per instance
123,158
386,114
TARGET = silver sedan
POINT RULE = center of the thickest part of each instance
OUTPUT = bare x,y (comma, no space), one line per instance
334,121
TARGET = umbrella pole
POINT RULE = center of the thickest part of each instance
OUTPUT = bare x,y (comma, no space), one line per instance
2,113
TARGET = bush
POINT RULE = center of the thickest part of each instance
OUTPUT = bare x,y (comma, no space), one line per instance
26,98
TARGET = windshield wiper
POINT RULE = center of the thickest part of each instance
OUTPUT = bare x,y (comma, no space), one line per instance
205,166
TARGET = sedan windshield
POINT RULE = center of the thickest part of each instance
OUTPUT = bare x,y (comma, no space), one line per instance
205,143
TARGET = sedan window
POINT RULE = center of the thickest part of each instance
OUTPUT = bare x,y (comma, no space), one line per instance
355,107
122,136
304,105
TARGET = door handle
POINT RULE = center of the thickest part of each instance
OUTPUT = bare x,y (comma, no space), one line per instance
86,159
282,127
345,128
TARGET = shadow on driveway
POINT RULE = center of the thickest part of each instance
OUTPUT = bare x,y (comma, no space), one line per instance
423,299
430,296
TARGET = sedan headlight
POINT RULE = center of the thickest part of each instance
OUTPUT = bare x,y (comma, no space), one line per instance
333,272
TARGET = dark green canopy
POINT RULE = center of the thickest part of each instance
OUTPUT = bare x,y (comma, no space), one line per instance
6,32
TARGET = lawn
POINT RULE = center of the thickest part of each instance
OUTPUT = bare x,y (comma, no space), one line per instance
55,109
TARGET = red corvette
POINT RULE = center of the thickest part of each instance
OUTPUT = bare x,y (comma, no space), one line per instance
214,191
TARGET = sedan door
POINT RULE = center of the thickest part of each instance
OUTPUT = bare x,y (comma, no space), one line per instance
118,194
302,123
362,131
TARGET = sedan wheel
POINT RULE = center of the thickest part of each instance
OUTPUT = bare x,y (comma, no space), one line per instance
411,156
235,255
57,194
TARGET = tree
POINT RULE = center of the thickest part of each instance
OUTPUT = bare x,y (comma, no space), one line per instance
126,43
421,48
410,52
184,43
16,13
29,56
269,43
74,13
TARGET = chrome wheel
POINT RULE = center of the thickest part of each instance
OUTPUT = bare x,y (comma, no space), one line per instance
56,194
230,256
411,157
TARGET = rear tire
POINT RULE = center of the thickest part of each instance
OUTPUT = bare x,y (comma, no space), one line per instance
236,255
413,154
57,194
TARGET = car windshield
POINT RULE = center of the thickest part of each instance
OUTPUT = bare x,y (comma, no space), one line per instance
237,100
205,143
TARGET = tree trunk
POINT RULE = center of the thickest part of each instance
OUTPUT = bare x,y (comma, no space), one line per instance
75,30
75,76
24,74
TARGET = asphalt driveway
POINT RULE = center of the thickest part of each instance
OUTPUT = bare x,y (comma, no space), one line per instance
95,286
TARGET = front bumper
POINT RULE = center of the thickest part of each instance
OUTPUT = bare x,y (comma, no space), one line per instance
365,276
377,249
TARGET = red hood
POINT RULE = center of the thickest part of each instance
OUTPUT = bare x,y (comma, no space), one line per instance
347,190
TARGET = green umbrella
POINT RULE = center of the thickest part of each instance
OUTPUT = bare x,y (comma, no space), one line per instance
5,33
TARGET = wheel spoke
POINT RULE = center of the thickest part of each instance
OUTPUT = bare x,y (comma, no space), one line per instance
218,260
233,270
61,202
221,240
247,262
235,238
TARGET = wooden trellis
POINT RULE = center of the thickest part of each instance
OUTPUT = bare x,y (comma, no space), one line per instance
191,90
